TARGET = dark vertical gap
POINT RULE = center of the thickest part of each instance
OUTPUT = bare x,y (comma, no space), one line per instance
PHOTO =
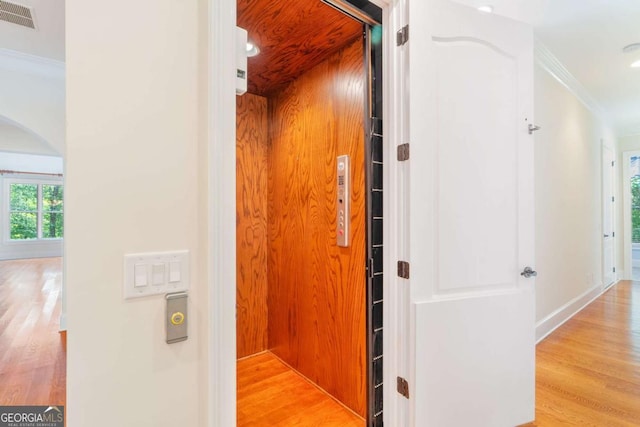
375,224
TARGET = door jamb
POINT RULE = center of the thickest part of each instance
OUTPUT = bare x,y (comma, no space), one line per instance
613,184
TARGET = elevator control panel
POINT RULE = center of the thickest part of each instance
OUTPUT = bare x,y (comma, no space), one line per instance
343,201
176,317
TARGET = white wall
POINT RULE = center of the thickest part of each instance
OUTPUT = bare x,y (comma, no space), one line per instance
568,168
628,143
32,91
133,169
25,163
18,140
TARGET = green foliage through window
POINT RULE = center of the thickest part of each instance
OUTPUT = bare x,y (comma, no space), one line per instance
635,208
35,211
52,196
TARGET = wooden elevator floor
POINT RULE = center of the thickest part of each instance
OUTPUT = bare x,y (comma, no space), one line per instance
270,393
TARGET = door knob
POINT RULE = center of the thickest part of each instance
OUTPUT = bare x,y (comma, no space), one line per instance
606,235
529,272
533,128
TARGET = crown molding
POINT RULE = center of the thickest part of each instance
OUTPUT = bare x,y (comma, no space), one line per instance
548,61
22,62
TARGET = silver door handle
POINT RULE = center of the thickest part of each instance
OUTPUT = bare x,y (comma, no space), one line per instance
533,128
606,235
529,272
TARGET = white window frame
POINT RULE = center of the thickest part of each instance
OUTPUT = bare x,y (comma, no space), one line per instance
6,201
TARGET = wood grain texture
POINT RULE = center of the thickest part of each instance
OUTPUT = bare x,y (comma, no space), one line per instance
293,36
317,316
251,229
32,351
272,394
588,370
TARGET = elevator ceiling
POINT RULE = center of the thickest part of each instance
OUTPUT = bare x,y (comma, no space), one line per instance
293,37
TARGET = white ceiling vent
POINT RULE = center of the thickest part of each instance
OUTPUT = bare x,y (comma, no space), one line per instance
16,14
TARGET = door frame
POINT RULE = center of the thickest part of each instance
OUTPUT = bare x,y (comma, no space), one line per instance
219,78
626,212
609,205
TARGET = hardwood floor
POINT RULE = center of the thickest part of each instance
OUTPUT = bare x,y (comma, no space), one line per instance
272,394
588,370
32,351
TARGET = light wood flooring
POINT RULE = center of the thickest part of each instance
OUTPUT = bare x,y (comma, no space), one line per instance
272,394
588,370
32,351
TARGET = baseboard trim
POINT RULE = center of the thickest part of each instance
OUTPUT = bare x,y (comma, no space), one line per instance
63,322
566,312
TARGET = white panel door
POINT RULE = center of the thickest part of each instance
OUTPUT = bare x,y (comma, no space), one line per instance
608,254
471,217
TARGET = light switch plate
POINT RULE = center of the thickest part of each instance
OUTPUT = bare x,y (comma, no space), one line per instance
157,266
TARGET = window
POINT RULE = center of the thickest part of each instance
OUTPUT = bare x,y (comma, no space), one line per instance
35,211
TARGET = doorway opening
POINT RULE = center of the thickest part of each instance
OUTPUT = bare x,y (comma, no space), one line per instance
32,147
309,215
631,170
32,330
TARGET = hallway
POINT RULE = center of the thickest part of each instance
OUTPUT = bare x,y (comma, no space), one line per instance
588,370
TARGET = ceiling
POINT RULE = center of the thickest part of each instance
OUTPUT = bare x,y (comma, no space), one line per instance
293,37
47,40
587,37
16,139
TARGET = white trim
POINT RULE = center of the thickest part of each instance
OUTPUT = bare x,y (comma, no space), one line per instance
396,297
548,61
63,321
626,213
22,62
221,219
607,205
556,319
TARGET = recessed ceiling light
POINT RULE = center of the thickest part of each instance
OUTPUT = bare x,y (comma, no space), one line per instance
252,50
635,64
486,8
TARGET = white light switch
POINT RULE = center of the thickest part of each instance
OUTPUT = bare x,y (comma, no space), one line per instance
155,273
140,275
174,271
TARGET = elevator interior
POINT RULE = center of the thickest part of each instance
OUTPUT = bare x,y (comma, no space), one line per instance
301,298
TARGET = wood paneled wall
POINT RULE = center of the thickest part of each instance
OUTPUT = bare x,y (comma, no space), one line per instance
317,298
251,230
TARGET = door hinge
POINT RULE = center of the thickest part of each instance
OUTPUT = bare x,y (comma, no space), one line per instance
403,152
370,267
403,269
613,163
402,36
403,387
613,234
613,199
614,269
